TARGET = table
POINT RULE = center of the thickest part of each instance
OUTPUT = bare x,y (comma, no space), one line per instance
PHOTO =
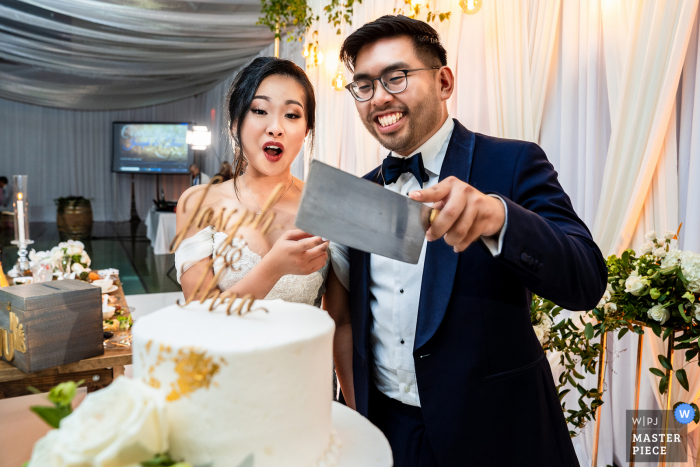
97,372
21,427
160,230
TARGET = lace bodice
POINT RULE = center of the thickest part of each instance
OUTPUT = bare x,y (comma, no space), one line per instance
299,289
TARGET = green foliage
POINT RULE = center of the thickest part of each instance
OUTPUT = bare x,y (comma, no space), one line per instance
280,15
337,12
62,397
164,460
572,337
414,12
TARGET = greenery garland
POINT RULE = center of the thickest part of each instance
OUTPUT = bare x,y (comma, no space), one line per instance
279,15
576,349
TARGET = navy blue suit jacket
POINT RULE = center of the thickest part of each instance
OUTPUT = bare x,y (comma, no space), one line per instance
486,389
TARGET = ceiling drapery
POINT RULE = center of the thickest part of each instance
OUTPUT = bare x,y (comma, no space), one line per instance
120,54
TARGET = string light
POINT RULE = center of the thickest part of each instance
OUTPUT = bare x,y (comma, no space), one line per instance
339,81
416,3
470,7
319,57
305,52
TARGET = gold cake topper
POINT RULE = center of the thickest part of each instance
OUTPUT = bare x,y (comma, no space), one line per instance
228,251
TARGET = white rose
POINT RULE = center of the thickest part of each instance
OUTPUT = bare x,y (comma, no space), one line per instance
659,313
73,250
541,335
77,268
660,252
690,266
77,243
545,322
635,284
44,451
85,258
39,256
118,426
668,235
605,298
696,310
610,307
647,248
651,236
672,258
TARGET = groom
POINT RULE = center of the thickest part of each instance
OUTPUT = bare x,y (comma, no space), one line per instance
445,360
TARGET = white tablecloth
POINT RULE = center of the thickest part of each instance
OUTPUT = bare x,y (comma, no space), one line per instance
160,230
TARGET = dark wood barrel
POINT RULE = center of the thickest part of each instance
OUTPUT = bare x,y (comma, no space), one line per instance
74,222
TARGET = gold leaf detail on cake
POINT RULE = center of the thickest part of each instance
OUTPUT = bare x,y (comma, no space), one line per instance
195,371
174,395
148,346
154,382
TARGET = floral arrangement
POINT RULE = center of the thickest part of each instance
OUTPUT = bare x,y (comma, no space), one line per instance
658,289
123,425
72,249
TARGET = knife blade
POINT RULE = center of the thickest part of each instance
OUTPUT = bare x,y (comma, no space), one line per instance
361,214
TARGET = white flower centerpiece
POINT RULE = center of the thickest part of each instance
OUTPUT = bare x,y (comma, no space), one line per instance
658,289
58,257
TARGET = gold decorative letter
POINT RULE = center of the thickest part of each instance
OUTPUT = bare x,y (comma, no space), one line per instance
12,340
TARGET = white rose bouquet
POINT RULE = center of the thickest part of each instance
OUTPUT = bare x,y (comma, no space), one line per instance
123,425
658,288
75,250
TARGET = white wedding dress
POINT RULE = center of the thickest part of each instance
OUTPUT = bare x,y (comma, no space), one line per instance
291,288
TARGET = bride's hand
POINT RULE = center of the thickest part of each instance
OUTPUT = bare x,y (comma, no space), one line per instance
298,253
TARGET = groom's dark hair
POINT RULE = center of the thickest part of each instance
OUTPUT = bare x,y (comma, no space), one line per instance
425,39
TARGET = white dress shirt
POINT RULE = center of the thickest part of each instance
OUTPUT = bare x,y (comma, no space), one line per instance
395,287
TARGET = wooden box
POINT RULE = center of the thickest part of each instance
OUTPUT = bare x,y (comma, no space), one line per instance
50,323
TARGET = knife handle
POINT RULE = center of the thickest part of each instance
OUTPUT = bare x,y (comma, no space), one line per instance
433,215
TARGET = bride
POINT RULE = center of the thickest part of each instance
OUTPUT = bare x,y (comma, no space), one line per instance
270,109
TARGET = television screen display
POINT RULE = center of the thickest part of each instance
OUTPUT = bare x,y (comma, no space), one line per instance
151,148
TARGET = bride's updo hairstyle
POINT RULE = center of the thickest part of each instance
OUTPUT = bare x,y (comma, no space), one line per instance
241,93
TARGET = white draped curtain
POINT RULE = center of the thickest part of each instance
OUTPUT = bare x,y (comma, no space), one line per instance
596,84
120,54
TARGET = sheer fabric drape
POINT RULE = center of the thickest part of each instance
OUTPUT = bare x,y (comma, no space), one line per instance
119,54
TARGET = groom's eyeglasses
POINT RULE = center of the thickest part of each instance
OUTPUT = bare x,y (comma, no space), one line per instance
394,82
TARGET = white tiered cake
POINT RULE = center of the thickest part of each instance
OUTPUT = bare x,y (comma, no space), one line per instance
258,384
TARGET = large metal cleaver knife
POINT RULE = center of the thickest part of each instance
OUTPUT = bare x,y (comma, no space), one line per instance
363,215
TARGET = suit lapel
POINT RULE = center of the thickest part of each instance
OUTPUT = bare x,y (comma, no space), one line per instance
440,259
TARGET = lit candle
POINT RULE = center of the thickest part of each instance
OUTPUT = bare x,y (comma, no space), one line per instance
20,217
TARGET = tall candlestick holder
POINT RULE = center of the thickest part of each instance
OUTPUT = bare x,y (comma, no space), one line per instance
21,207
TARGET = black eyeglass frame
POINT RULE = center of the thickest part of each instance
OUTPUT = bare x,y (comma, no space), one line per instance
405,72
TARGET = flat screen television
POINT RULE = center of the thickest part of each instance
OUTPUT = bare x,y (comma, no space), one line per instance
150,148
